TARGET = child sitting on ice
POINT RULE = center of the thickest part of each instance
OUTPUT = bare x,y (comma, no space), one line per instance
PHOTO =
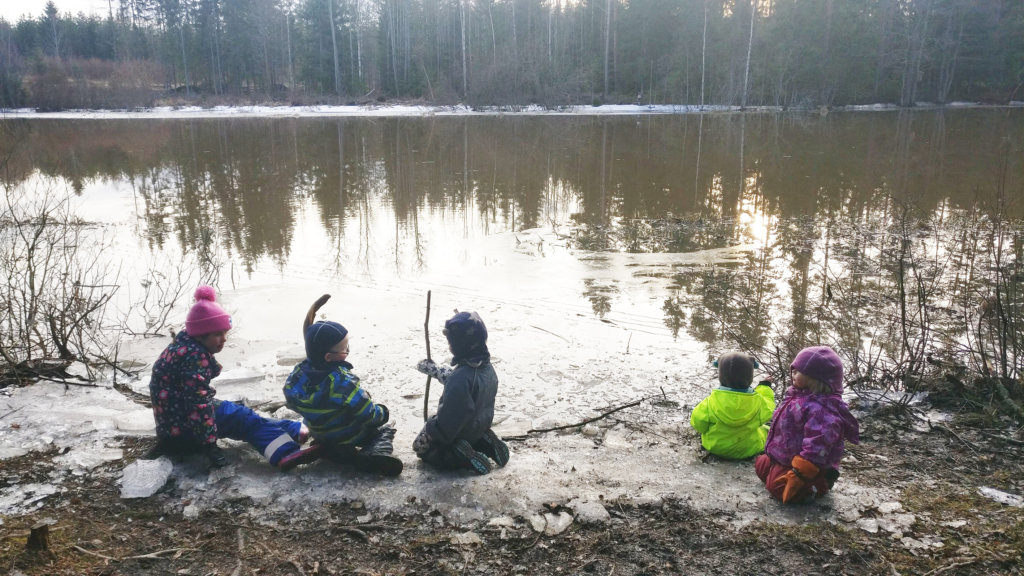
806,440
460,435
346,424
732,420
189,418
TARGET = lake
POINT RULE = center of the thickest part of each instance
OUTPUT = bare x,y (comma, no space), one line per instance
877,232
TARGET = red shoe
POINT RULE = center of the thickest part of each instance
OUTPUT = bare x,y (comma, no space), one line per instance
304,456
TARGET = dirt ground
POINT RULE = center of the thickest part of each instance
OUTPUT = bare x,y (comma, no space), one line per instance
955,529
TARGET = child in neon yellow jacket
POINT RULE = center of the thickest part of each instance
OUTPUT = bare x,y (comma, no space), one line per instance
733,420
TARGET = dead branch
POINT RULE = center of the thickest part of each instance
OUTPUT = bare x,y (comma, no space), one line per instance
952,566
988,435
588,420
954,435
159,555
426,336
566,339
96,554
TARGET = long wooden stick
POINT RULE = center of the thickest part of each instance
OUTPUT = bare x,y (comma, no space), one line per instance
588,420
311,315
426,335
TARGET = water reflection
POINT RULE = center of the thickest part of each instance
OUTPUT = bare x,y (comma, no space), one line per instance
810,198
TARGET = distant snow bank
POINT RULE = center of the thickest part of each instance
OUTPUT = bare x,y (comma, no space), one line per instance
385,110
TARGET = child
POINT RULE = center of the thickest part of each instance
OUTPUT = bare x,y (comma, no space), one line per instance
460,435
805,443
345,423
189,418
732,420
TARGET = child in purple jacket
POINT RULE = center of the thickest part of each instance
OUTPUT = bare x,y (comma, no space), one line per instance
808,431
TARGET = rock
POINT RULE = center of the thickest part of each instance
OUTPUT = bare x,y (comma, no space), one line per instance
889,507
142,478
869,525
589,512
502,521
135,421
556,523
896,523
364,519
538,523
591,430
1002,497
466,539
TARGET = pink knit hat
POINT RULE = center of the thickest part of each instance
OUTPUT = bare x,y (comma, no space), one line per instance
206,315
821,363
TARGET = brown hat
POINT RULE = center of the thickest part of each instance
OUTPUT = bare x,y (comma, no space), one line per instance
736,370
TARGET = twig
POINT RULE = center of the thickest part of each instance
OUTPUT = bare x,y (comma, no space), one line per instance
96,554
954,435
587,421
426,336
354,531
2,416
952,566
297,566
549,332
152,555
989,435
158,554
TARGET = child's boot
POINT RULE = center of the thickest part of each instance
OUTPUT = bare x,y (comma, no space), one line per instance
493,447
376,456
471,458
304,456
215,456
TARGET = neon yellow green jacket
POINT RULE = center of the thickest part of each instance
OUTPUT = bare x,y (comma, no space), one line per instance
733,423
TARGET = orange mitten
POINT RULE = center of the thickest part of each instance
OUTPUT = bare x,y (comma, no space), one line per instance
803,473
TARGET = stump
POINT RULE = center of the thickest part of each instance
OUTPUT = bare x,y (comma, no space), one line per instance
39,535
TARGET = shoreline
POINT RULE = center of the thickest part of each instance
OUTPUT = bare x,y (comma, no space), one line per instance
406,110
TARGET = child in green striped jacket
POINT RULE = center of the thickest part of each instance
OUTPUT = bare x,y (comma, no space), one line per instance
345,423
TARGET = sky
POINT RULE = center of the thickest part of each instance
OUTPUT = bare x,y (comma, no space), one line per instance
12,10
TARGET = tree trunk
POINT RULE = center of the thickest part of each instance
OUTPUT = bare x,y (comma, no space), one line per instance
607,43
750,44
462,28
334,46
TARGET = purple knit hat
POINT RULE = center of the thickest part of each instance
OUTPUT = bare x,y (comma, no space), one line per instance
821,363
206,315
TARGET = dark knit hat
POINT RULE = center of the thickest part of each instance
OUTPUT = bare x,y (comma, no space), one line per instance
821,363
735,370
320,337
467,337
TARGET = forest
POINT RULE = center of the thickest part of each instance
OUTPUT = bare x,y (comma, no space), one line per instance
553,53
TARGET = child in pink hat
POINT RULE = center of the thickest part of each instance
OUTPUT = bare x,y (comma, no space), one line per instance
189,418
807,437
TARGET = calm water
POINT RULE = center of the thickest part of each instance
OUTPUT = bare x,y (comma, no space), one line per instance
741,229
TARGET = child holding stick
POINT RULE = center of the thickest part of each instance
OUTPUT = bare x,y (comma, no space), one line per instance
459,435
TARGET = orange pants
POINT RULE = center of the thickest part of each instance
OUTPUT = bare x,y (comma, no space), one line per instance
769,471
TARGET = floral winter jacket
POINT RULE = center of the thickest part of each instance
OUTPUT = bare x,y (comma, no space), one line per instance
813,426
181,393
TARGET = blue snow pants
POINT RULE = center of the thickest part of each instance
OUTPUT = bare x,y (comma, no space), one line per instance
273,438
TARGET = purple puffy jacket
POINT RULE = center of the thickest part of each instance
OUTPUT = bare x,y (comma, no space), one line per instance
813,426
